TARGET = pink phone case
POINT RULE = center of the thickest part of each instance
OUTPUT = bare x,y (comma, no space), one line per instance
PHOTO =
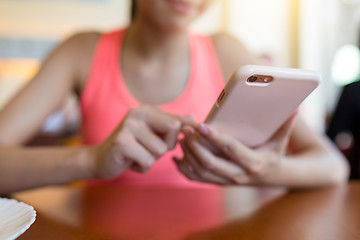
257,100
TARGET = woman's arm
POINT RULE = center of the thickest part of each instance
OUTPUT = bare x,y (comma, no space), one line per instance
313,159
143,136
23,168
59,75
312,162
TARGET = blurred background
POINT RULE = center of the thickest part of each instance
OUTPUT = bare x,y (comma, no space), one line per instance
321,35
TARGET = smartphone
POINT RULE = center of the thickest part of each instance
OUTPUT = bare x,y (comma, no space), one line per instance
257,100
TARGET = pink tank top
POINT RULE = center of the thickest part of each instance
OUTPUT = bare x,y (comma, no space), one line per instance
106,100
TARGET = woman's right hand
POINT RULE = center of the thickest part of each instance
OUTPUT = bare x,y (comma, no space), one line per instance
142,137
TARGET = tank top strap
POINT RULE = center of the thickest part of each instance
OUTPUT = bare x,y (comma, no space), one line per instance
103,64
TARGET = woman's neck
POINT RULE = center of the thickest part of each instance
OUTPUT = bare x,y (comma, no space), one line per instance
149,41
155,64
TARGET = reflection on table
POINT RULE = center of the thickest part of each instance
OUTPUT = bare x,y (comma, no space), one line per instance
114,212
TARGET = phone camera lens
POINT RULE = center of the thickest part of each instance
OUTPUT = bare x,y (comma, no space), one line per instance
252,78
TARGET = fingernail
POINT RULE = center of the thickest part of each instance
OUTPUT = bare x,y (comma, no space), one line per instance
203,129
186,132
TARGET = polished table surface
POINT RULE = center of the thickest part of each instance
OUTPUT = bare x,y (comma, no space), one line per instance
113,212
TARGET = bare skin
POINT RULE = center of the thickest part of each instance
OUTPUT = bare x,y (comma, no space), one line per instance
155,60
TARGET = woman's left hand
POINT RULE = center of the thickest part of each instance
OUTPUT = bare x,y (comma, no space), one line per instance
228,161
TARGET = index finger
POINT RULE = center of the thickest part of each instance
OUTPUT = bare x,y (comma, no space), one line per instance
186,120
168,125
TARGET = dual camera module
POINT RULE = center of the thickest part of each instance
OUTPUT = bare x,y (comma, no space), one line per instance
260,79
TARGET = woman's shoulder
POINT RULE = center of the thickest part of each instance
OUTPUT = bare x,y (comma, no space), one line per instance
90,37
231,52
81,40
81,47
76,45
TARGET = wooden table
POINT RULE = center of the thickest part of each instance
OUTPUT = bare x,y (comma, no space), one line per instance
115,212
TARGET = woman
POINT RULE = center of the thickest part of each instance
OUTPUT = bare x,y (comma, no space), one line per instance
121,76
